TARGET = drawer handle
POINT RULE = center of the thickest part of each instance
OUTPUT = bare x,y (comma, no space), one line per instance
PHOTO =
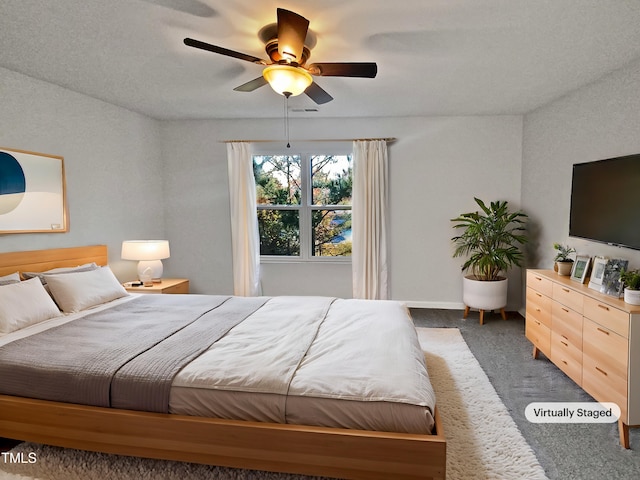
602,371
564,343
538,278
601,330
537,322
604,307
564,309
566,290
538,294
565,337
538,310
564,362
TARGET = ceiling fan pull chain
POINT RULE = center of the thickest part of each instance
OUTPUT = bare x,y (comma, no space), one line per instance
286,117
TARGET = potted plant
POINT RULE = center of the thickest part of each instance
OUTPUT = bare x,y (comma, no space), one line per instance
563,263
490,240
631,281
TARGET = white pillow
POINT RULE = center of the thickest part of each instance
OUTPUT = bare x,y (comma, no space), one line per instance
77,291
23,304
79,268
12,278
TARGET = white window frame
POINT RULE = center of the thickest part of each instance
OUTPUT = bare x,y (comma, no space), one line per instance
305,150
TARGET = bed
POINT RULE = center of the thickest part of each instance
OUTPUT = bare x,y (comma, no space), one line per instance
265,444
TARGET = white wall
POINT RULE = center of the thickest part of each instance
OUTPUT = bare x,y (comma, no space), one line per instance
437,166
111,158
599,121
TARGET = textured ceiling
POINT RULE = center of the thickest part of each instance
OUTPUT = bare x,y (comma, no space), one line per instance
435,57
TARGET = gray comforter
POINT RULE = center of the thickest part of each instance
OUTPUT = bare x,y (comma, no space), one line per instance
122,357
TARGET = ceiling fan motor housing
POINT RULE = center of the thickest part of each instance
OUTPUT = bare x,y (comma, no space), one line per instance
271,47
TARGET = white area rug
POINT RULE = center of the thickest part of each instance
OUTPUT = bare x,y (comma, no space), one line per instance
483,442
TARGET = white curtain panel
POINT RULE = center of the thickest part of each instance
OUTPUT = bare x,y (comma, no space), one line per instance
244,220
369,219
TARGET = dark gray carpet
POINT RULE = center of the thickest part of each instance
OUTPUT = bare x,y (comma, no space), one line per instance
566,451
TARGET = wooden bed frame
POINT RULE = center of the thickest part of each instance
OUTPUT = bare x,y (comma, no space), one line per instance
332,452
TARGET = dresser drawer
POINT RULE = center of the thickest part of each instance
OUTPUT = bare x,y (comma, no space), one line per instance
607,349
539,305
539,334
604,386
539,283
567,323
568,297
607,316
567,356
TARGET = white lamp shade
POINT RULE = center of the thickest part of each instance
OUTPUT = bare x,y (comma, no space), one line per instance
145,250
149,253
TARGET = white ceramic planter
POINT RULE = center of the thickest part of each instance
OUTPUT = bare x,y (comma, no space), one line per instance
632,296
564,268
484,295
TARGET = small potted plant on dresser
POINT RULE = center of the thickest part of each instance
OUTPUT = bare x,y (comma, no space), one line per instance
563,263
490,238
631,281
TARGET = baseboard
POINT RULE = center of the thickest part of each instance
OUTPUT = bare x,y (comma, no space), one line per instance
440,305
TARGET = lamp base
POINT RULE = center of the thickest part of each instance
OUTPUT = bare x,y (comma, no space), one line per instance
153,268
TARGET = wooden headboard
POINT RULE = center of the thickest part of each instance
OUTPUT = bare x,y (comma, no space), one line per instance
41,260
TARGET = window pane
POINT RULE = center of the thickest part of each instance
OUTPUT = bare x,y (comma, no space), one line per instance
278,179
279,232
331,179
331,233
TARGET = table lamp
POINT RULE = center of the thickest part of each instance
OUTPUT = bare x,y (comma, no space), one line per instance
149,254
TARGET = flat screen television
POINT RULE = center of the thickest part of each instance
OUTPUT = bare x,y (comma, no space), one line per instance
605,201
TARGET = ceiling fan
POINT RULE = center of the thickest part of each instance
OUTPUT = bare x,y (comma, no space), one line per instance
287,73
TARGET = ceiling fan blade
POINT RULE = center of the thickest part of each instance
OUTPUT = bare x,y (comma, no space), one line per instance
317,94
222,51
292,30
252,85
360,69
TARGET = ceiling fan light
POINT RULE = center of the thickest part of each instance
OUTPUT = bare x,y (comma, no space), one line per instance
285,78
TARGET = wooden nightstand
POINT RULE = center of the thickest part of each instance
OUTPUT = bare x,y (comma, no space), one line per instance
167,285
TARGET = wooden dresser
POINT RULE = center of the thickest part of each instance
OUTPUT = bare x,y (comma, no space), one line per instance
592,337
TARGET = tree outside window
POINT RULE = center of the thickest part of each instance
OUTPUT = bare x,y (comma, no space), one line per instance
304,205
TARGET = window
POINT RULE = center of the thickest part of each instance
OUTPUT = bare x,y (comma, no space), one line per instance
304,205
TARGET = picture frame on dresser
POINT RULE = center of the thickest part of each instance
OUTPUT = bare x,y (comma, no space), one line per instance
611,284
597,272
580,268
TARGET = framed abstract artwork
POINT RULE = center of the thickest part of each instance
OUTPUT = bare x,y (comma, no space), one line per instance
611,284
32,193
